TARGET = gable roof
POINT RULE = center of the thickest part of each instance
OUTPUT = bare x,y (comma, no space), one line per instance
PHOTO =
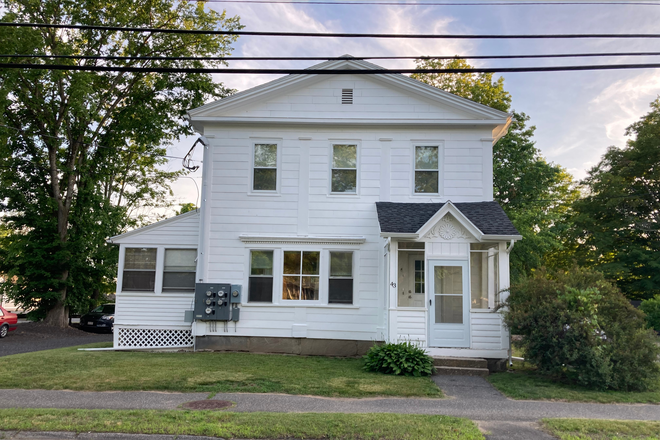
190,215
478,113
409,218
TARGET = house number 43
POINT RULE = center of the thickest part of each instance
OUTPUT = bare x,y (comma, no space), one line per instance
393,284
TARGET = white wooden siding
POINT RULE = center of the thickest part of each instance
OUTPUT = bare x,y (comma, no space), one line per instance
180,230
487,331
146,310
411,325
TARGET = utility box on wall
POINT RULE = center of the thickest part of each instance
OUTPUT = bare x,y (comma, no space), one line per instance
212,302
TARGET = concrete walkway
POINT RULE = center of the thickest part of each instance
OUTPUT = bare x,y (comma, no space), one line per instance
470,397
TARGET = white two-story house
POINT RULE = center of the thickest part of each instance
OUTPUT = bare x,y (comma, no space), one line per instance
350,208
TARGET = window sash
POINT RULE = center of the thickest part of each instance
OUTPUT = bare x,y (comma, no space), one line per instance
419,172
305,285
257,167
260,285
340,287
338,172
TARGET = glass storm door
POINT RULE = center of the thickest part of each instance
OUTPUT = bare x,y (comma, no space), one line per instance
449,304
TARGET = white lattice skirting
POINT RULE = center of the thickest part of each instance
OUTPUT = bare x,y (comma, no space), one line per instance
153,338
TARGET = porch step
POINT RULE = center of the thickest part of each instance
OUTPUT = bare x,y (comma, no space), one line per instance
461,371
460,362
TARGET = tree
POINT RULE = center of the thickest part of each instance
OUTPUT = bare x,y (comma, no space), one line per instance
617,222
80,151
186,207
535,194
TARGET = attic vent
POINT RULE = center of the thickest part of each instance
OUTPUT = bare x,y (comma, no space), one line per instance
347,96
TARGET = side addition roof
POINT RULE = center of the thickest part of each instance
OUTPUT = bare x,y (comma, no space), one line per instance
409,218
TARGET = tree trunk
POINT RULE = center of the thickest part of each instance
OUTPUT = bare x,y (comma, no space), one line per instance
58,316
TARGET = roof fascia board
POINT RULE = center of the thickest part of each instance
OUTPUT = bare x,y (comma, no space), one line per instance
351,121
176,218
450,208
494,237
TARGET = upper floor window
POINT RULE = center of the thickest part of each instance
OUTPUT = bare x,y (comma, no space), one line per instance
301,275
139,269
179,270
426,169
265,167
344,169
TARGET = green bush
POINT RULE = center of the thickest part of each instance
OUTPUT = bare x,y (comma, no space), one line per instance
403,359
652,309
578,327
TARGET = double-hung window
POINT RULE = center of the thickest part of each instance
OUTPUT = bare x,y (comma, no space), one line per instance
179,270
340,284
426,170
139,269
300,275
265,168
260,288
344,169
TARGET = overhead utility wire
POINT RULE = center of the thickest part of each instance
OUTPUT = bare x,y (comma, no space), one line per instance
416,3
327,34
421,57
325,71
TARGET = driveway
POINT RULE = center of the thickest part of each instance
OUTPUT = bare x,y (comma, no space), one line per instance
35,336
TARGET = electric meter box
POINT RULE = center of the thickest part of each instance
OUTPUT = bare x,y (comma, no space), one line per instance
212,301
236,293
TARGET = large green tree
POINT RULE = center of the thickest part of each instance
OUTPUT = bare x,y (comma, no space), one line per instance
617,222
535,194
80,152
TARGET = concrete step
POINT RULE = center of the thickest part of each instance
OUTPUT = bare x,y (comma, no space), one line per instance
462,362
461,371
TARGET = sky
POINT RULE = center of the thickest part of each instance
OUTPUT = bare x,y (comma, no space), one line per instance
577,115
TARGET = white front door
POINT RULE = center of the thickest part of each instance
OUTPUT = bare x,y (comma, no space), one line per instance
449,304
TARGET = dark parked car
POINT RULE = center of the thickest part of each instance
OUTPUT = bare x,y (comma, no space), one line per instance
101,318
8,322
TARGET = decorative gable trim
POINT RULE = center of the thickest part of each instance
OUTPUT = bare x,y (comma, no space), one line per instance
457,225
481,112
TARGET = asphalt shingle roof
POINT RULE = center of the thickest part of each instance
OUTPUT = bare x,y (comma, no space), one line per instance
489,217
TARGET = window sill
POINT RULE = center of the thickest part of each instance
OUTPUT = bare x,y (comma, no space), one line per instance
343,195
315,306
483,311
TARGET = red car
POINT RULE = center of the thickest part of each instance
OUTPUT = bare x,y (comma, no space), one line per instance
8,322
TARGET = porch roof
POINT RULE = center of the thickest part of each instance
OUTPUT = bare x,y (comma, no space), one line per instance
408,218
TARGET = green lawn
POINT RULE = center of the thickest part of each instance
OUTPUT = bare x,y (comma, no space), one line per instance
243,425
525,384
587,429
70,369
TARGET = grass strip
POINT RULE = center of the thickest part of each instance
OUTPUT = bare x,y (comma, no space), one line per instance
243,425
525,384
588,429
71,369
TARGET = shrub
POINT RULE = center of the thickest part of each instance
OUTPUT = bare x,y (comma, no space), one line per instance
652,309
403,358
578,327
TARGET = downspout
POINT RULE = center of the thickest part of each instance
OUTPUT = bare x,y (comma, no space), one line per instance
508,251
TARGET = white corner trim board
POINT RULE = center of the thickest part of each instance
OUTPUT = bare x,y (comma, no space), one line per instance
301,239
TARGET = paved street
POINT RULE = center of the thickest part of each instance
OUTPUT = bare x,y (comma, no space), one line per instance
33,336
470,397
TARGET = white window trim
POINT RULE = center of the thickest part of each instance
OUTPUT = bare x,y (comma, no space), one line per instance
170,291
246,295
278,168
324,276
160,265
358,149
441,152
353,277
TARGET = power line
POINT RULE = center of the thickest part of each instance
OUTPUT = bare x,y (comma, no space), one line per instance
416,3
420,57
329,34
325,71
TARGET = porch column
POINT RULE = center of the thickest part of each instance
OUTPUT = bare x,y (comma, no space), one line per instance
392,289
